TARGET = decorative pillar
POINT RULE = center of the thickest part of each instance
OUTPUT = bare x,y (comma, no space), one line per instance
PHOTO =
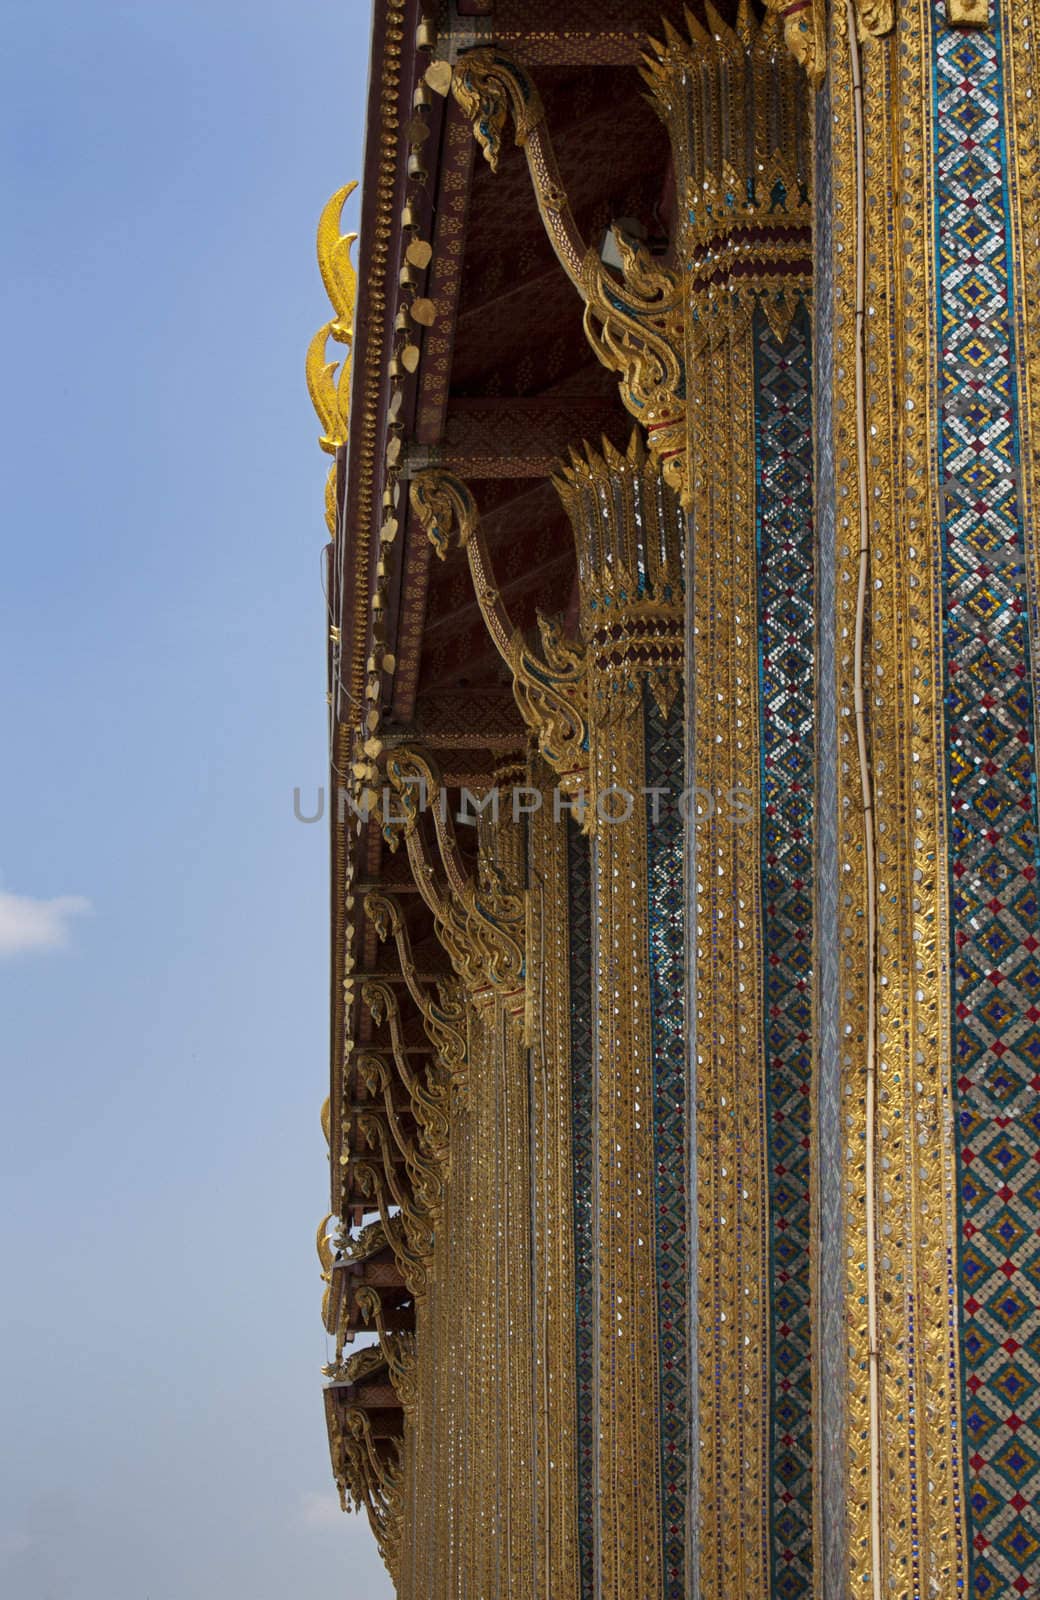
933,149
737,109
628,528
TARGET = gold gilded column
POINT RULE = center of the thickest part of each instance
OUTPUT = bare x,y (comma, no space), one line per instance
628,529
736,106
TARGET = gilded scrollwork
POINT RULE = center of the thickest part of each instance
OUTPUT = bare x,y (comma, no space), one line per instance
424,1169
550,691
488,85
368,1242
357,1367
408,1231
636,329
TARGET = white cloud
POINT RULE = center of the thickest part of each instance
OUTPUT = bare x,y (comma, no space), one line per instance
28,924
321,1509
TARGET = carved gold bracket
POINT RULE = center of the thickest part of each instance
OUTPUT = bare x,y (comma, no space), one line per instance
444,1019
481,928
370,1474
429,1100
550,692
408,1232
424,1170
634,321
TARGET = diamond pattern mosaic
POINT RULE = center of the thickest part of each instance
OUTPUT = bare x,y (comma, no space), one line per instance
993,825
786,589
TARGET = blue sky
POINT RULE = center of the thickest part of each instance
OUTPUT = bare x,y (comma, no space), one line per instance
161,623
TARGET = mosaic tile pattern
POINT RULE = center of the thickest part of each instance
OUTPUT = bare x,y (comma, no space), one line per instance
992,822
829,1317
786,591
665,736
579,902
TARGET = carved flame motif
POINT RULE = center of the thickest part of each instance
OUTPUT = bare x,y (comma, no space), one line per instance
636,328
329,392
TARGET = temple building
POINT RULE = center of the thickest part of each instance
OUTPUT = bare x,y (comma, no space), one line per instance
682,576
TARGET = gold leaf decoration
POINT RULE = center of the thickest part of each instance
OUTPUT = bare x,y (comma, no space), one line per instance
328,382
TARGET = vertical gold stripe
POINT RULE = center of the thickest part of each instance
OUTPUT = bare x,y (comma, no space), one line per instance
902,670
548,947
730,1137
628,1435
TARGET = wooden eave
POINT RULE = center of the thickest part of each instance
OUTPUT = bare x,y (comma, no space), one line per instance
485,401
